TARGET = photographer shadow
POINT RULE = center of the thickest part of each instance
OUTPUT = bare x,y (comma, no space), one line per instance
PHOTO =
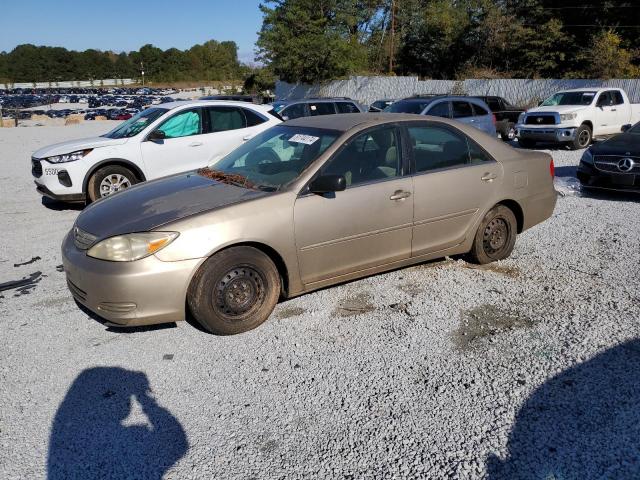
92,437
582,424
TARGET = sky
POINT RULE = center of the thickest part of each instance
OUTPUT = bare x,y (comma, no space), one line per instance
124,25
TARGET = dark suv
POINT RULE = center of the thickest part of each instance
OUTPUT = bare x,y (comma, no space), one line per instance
310,107
506,116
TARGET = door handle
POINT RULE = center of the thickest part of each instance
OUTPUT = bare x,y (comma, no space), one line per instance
399,195
195,144
614,109
246,137
489,177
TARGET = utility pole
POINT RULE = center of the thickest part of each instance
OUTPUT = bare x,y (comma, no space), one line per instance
142,72
391,37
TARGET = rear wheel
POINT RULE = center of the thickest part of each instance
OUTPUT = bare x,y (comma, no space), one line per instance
234,291
582,138
508,134
496,236
109,180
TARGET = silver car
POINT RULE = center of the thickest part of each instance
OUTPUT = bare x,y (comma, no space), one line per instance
306,204
469,110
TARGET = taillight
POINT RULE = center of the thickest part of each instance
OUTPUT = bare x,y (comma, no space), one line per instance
552,169
494,118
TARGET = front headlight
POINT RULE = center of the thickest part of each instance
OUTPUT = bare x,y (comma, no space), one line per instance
564,117
130,247
587,157
68,157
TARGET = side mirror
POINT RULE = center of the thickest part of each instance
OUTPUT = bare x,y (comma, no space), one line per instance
374,109
626,127
328,184
156,135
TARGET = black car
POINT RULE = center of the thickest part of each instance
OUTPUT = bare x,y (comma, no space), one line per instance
506,116
613,164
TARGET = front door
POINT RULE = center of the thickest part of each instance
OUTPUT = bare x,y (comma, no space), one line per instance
182,149
606,115
368,224
454,182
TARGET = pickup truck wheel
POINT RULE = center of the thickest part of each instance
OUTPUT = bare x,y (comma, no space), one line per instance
526,143
109,180
496,236
582,138
508,134
234,291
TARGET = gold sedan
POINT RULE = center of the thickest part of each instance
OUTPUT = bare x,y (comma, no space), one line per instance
306,204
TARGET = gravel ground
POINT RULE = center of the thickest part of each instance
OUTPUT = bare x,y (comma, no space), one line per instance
528,368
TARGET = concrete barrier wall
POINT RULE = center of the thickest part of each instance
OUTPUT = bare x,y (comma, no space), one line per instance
108,82
518,91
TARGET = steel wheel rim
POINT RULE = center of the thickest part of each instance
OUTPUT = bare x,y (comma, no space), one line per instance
495,237
239,292
511,134
113,183
583,138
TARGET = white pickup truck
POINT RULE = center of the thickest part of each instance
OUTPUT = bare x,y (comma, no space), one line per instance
576,117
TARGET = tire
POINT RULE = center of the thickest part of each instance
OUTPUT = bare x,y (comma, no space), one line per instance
582,139
526,143
508,134
117,176
234,291
496,236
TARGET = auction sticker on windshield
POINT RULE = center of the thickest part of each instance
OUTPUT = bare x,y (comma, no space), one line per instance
306,139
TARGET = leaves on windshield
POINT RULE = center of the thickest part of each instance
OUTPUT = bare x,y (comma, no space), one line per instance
232,178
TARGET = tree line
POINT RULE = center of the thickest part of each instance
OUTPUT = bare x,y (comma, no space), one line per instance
318,40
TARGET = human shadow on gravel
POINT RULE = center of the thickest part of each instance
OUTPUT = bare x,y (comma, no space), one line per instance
582,424
91,436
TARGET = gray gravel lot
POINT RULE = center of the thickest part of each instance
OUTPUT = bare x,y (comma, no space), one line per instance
526,369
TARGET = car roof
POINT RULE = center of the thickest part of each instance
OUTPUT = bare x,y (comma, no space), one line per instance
594,89
205,103
315,100
347,121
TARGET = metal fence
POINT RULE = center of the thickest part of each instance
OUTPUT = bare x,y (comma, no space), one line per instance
518,91
107,82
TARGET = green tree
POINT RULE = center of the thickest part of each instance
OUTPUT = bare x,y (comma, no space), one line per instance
606,58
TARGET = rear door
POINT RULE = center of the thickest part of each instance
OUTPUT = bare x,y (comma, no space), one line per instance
439,109
368,224
226,128
454,182
483,119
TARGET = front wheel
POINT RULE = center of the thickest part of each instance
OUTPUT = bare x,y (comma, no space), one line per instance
582,138
234,291
508,134
109,180
496,236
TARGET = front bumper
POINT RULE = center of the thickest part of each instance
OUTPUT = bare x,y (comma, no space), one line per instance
546,134
591,177
63,182
61,197
143,292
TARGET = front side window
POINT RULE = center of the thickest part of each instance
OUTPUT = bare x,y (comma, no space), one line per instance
461,109
437,147
182,124
321,108
222,119
296,110
605,100
275,157
440,109
368,157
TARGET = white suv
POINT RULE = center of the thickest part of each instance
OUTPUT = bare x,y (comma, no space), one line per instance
159,141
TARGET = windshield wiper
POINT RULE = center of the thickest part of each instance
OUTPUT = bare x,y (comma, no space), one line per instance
230,178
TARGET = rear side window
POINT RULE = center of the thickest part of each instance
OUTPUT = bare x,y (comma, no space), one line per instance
477,155
435,148
461,109
478,110
252,117
346,107
222,119
617,97
323,108
296,110
439,110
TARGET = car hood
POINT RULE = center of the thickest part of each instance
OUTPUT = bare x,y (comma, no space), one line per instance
557,109
622,144
75,145
150,205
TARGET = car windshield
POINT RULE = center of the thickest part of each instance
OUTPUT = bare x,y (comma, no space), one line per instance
136,124
272,158
277,106
569,98
635,129
406,107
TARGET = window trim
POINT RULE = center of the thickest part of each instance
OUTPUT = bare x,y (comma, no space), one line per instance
404,165
444,126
